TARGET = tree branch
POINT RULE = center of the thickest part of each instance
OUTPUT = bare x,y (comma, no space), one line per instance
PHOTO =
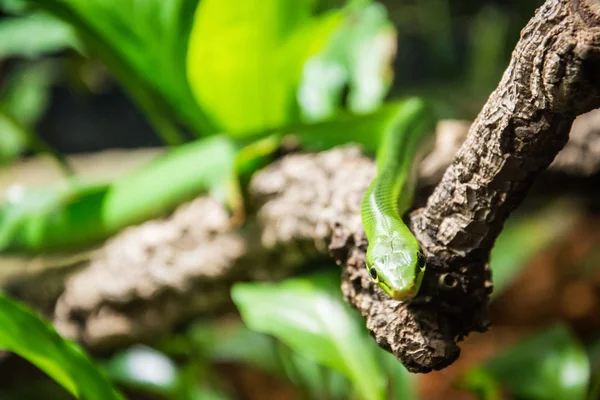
553,76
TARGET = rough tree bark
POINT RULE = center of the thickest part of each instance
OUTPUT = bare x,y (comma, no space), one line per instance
184,265
553,76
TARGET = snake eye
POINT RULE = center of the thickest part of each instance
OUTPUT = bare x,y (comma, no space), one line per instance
373,273
420,260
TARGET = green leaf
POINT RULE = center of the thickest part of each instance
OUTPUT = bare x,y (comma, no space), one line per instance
80,214
319,381
24,333
22,102
26,95
234,343
488,33
309,316
13,6
245,59
551,365
143,368
524,236
358,54
14,139
34,35
144,44
401,383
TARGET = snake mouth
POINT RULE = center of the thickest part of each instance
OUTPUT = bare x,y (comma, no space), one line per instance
399,295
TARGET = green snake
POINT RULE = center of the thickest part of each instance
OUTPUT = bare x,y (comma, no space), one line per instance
394,260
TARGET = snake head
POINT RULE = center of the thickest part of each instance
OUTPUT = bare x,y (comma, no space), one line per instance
396,268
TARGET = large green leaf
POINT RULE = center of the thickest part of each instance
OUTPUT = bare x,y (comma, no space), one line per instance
24,333
246,56
551,365
144,44
358,55
309,316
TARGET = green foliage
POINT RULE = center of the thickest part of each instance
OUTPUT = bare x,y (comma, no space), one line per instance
144,44
255,49
488,36
234,343
524,236
14,139
22,103
308,315
281,59
401,384
150,371
79,214
13,6
26,95
25,334
144,369
358,55
551,365
34,35
147,54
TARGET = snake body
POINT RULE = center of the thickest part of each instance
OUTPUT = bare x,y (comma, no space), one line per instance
394,260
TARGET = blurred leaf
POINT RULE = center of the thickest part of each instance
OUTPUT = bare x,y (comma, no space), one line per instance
33,35
36,218
488,33
14,139
594,356
318,381
358,54
149,371
26,95
401,383
22,102
13,6
233,342
24,333
144,368
524,236
236,343
435,19
144,44
308,315
551,365
207,393
245,58
81,214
